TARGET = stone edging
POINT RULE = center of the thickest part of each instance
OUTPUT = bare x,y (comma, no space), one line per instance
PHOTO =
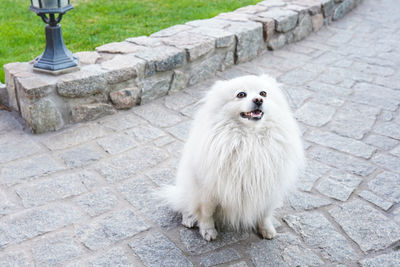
123,74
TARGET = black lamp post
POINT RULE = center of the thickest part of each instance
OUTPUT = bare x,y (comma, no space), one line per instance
56,58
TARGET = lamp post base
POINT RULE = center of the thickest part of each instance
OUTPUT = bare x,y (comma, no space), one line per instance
57,72
56,58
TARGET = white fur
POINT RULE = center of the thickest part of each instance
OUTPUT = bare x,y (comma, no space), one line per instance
236,170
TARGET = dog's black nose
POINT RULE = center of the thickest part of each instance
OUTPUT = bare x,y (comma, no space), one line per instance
258,101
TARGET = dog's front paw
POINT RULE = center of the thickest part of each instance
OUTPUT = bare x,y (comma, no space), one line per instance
269,233
188,220
209,234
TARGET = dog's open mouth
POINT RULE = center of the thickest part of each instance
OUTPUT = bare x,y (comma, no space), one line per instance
252,115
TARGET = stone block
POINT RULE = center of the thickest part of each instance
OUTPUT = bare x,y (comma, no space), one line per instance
88,112
369,228
219,257
386,185
196,45
145,41
223,38
16,146
388,259
41,116
313,6
123,68
35,87
88,81
315,114
56,250
145,133
55,188
106,231
376,200
251,9
339,185
35,222
116,144
120,48
154,249
179,82
87,57
3,95
285,20
162,58
268,26
173,30
249,36
234,16
328,7
342,9
306,201
204,70
317,22
155,86
114,257
81,156
212,23
273,3
125,98
11,71
277,41
304,28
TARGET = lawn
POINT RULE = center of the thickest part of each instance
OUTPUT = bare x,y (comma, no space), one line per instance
95,22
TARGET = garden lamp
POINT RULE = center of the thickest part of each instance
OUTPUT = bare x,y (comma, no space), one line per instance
56,58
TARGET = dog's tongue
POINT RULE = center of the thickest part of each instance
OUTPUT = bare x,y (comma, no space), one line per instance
255,113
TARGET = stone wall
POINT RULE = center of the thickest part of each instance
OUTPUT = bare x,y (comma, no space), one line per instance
123,74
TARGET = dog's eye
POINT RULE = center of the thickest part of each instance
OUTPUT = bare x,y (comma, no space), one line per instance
263,93
241,95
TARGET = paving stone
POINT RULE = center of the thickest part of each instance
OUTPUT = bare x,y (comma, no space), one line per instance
14,260
181,130
157,115
314,114
284,250
34,222
388,129
306,201
296,95
106,231
165,140
342,161
74,136
219,257
117,144
98,202
56,250
125,98
377,96
55,188
141,194
239,264
179,100
154,249
370,229
396,151
387,161
339,185
389,259
344,144
336,90
319,233
374,199
195,45
122,121
353,120
196,245
145,133
28,169
81,156
297,77
6,205
113,257
17,146
277,41
381,142
129,164
396,214
162,58
162,176
386,185
312,173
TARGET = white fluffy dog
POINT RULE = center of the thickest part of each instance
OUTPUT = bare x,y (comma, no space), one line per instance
242,157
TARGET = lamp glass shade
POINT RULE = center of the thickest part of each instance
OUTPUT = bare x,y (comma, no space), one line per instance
49,4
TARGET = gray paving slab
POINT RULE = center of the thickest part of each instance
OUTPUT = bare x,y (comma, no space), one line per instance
83,196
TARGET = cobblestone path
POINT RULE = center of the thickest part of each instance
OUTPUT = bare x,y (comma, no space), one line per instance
82,196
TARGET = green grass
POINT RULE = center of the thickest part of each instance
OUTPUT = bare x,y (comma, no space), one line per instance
95,22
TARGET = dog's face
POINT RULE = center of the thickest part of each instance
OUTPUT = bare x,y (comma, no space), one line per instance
247,99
